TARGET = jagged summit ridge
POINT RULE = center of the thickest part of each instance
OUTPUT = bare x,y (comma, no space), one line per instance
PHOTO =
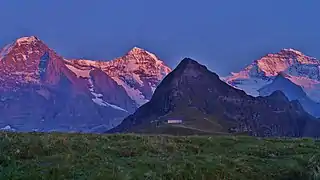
188,60
138,55
190,67
273,63
292,50
27,39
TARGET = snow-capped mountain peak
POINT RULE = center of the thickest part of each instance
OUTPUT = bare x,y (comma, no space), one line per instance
141,55
301,69
27,40
136,50
29,60
271,64
23,44
19,42
291,50
138,72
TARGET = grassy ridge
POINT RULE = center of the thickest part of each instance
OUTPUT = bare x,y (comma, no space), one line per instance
79,156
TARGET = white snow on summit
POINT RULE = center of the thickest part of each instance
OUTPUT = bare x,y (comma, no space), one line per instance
303,70
139,72
26,40
85,73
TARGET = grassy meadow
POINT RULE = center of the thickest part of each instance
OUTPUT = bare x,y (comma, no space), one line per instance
86,156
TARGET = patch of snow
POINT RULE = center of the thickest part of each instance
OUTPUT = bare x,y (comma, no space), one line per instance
137,79
250,86
24,56
26,40
98,98
79,72
96,95
101,102
293,50
154,57
153,89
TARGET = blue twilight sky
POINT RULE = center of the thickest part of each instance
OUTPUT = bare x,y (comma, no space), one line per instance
226,35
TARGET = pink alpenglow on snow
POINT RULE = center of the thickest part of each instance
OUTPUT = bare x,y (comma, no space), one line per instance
301,69
139,72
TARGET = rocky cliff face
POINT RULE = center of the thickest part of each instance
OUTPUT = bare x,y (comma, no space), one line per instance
217,108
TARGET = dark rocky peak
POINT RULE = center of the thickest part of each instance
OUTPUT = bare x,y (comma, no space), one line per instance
190,73
190,64
191,68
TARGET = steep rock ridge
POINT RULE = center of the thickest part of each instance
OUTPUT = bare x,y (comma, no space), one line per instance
217,108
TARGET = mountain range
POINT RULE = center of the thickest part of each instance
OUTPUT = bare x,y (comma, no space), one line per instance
276,95
207,105
42,91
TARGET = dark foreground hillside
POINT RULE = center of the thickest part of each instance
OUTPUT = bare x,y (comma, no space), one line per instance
79,156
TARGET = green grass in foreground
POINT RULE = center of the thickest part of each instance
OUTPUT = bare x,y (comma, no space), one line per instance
79,156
